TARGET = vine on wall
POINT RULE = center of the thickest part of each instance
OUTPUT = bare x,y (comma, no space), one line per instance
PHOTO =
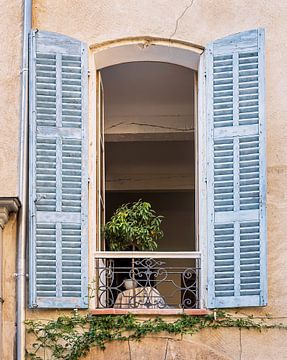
72,337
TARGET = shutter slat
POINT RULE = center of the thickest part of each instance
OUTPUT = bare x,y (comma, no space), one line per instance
236,171
58,187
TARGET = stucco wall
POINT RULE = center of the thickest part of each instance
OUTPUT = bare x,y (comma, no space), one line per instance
206,20
9,288
220,344
97,21
10,64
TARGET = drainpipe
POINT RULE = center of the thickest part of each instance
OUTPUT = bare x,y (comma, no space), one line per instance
23,185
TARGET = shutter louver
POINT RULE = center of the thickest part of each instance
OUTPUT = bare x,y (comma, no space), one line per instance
236,171
58,172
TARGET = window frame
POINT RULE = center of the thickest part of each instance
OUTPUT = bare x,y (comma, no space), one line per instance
197,253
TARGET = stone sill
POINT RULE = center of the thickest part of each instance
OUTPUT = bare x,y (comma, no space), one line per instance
174,312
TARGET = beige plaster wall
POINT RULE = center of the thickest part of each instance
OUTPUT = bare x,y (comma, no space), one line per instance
206,20
220,344
10,63
97,21
9,288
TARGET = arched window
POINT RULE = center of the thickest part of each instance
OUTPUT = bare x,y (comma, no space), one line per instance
205,157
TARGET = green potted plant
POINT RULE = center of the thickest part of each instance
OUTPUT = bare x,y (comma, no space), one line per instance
134,227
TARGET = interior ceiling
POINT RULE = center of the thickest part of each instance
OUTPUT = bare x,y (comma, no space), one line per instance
147,88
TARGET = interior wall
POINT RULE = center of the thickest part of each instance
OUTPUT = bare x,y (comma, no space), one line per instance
177,208
148,97
153,165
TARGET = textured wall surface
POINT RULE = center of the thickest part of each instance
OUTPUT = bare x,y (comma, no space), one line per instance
221,344
158,349
9,288
10,64
205,20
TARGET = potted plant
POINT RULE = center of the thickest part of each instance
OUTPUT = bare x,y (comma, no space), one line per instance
134,226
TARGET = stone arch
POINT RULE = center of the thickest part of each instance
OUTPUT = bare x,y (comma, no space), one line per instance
146,49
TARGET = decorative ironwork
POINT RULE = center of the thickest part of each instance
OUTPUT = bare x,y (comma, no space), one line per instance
147,283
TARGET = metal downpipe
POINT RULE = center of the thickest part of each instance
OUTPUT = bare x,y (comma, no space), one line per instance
23,186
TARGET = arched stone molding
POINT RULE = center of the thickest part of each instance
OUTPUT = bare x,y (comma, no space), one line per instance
146,49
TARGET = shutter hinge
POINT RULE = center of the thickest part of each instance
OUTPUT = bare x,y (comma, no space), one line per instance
18,275
89,72
23,70
39,198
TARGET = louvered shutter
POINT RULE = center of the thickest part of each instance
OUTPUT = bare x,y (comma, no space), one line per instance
236,174
58,172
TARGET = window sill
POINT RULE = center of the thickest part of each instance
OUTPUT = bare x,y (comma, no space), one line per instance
110,311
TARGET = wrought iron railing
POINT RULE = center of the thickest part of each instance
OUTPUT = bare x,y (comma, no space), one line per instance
147,280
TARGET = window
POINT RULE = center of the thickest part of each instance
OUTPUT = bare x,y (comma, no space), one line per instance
149,155
229,186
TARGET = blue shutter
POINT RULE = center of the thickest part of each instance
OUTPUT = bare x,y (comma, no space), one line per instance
58,201
236,171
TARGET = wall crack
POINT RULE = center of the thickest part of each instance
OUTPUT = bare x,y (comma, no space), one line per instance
240,344
166,348
180,18
129,345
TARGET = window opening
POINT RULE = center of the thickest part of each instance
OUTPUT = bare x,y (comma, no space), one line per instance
149,154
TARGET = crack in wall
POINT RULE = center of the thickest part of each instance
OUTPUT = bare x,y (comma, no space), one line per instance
166,348
240,345
130,349
180,17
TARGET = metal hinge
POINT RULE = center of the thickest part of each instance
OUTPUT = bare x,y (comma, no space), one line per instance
39,198
24,70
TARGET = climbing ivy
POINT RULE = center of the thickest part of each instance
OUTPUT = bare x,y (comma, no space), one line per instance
72,337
